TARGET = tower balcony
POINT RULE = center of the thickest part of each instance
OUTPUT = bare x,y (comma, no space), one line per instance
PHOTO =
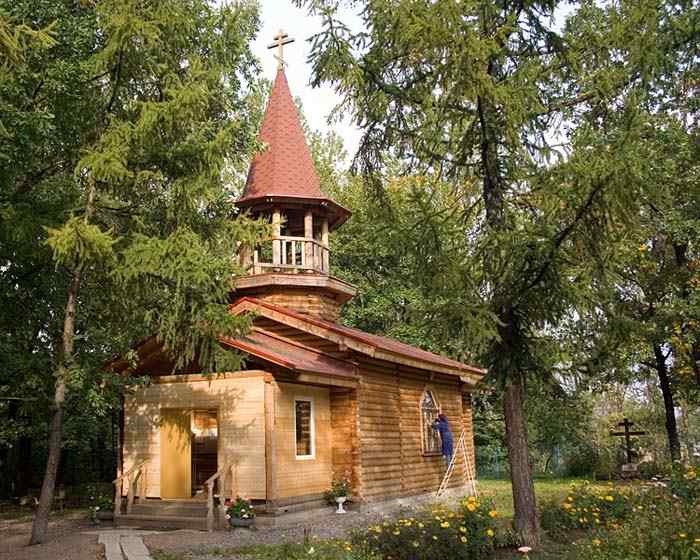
287,254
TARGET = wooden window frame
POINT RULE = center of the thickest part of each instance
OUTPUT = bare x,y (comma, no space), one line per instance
425,453
312,429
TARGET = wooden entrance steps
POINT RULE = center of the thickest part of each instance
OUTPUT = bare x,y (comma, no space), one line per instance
192,514
166,514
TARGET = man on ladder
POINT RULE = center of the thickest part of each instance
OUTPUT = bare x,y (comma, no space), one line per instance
443,427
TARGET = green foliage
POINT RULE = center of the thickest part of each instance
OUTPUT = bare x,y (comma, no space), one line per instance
587,508
660,527
78,241
241,509
404,255
152,107
313,548
99,502
685,483
467,534
340,487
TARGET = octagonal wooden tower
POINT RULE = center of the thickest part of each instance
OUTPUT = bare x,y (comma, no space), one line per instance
292,268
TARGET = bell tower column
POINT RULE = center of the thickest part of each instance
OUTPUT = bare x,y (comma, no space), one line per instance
326,249
276,232
309,235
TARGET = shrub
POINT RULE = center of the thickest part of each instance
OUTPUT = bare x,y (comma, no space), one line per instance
650,470
660,527
310,549
555,520
582,460
99,502
685,483
468,534
585,508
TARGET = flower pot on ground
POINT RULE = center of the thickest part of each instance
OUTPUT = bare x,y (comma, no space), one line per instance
340,500
340,488
105,515
101,508
240,513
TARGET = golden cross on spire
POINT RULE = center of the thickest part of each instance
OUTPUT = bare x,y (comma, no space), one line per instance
281,39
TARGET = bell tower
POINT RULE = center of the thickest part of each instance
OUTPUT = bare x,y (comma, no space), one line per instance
292,268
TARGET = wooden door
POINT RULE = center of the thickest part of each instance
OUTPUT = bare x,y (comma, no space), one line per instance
175,454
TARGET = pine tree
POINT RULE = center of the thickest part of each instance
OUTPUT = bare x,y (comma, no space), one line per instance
140,114
543,117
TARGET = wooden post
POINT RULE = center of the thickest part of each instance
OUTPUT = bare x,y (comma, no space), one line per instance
130,494
210,506
256,266
326,249
308,235
270,469
276,232
244,255
117,497
142,492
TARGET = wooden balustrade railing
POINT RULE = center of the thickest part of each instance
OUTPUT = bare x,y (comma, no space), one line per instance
219,478
289,253
135,474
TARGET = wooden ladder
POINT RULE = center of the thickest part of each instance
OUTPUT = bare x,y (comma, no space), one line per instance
469,473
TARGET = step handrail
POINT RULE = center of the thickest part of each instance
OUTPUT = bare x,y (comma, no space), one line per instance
133,474
219,478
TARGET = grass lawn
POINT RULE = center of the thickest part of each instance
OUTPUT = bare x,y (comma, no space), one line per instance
546,489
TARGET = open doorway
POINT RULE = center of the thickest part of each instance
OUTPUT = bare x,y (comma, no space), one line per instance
205,443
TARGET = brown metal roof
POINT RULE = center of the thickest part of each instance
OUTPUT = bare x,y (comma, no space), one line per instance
289,355
379,342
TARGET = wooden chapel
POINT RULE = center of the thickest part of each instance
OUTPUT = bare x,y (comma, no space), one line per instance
316,400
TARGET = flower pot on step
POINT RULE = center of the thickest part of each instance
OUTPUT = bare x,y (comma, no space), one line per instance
240,522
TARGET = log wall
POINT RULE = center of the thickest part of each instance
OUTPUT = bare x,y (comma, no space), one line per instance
392,462
313,303
345,458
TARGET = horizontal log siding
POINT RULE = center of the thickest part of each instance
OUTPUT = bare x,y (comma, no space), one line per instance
346,458
391,454
468,425
314,304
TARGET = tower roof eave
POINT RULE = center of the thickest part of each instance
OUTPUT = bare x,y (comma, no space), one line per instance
337,214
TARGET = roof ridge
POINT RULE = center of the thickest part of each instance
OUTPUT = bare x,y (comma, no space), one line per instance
298,344
362,336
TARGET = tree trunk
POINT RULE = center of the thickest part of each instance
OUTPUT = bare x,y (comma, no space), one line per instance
41,518
674,443
524,503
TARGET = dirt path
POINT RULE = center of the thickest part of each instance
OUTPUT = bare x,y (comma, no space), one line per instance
65,542
323,527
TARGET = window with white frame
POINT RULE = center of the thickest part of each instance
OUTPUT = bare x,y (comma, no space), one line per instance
429,409
304,428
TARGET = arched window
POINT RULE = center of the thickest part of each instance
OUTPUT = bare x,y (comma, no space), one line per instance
429,409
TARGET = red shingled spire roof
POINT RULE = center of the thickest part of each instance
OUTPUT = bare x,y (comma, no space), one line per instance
285,168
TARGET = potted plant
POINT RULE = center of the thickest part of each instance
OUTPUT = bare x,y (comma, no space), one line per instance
339,493
240,513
